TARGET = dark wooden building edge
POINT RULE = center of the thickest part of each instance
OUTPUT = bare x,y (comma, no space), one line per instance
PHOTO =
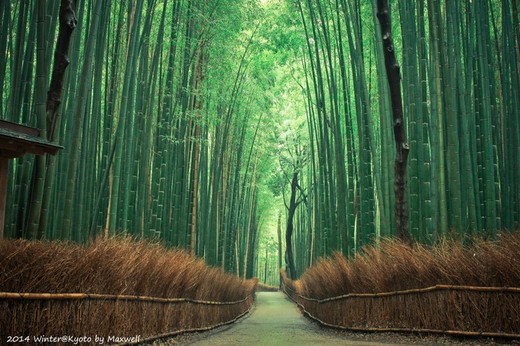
17,140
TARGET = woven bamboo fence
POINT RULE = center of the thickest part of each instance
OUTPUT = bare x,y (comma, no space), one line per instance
445,309
34,315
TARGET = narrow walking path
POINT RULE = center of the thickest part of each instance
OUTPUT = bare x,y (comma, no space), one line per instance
275,321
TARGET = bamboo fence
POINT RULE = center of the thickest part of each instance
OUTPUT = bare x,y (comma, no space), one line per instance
80,314
441,309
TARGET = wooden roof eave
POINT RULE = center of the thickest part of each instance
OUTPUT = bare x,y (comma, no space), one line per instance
14,143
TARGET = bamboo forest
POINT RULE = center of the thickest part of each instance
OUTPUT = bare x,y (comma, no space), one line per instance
245,137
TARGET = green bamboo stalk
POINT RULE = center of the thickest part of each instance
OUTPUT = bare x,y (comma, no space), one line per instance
68,229
437,120
485,83
38,180
122,131
5,28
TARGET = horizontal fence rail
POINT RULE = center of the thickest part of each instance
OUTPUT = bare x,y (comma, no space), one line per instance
412,291
93,296
441,309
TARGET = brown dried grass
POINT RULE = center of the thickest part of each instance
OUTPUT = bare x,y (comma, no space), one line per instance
261,287
116,267
394,266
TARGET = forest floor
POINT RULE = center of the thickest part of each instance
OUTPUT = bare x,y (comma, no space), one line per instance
277,321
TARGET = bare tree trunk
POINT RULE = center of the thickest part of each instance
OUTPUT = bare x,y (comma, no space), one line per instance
289,256
67,25
394,81
68,22
196,106
279,232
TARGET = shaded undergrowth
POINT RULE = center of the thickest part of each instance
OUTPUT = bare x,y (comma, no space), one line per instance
113,267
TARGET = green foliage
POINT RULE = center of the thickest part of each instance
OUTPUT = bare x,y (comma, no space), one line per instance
178,128
451,97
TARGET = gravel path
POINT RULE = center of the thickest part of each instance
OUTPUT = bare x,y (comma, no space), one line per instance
275,321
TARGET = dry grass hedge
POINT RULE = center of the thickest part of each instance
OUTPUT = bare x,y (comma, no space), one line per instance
261,287
396,267
112,267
